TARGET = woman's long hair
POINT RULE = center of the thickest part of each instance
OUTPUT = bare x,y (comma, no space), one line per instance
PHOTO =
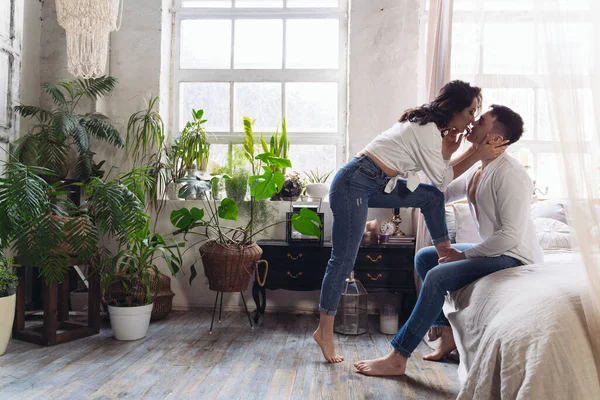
453,98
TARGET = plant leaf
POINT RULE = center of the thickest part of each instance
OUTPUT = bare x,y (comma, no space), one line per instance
228,209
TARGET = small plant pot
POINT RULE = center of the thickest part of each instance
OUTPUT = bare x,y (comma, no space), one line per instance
130,323
7,315
317,190
79,301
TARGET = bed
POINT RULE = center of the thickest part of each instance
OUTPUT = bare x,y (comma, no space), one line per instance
521,333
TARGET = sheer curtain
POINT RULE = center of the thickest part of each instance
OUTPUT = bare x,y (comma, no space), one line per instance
541,58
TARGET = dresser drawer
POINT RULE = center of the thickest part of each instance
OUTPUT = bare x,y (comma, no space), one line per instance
399,279
389,258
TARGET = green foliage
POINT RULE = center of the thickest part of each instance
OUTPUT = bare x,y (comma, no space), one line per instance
8,279
193,147
135,268
313,176
57,130
279,146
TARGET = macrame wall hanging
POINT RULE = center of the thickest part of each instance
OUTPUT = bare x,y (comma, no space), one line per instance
88,24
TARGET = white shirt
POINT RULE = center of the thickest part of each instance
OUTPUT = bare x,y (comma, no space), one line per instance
503,199
408,148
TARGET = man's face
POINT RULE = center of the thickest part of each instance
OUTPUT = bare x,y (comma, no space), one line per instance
481,128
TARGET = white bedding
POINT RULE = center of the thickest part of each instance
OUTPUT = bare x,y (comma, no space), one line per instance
521,333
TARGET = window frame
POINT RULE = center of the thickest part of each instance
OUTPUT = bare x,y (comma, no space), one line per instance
180,75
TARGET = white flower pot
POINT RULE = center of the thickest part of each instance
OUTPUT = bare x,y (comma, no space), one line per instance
7,315
130,323
317,190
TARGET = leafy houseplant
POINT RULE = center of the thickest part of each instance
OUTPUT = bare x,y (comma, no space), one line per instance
229,252
8,288
193,147
58,131
292,187
317,186
131,280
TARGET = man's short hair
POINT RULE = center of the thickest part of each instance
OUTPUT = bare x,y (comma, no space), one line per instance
508,123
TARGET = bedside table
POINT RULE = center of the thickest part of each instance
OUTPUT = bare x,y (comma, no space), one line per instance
301,267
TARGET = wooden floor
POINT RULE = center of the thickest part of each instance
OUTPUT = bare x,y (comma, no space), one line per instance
178,359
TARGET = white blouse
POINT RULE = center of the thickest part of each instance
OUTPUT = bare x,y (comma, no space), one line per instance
408,148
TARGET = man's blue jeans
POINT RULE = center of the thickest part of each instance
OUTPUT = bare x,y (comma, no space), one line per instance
357,185
438,280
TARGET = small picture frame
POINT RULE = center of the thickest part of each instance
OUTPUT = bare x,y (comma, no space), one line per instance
292,235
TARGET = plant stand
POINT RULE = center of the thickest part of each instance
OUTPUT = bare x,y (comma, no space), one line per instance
221,308
57,327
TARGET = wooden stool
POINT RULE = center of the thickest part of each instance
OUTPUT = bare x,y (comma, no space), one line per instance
56,313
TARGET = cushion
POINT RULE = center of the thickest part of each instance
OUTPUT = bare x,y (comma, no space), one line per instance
466,230
552,234
451,223
554,209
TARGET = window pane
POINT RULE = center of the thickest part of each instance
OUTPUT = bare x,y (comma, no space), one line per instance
207,3
258,44
312,157
463,5
311,107
509,5
587,114
584,115
565,5
260,101
5,7
570,43
197,52
548,175
464,48
313,3
518,100
312,43
258,3
213,98
545,129
508,48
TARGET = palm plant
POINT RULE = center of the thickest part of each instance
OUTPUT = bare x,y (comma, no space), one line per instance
56,131
279,146
193,145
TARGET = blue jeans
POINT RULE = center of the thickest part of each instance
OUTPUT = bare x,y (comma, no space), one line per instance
438,280
357,185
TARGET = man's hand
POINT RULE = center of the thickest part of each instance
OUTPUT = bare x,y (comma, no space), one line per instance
453,255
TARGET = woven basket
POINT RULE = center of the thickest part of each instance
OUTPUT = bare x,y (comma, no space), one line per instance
229,268
163,302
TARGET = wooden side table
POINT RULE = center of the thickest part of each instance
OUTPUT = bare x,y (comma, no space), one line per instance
57,326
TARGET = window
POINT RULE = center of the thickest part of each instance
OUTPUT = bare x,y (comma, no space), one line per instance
496,45
269,60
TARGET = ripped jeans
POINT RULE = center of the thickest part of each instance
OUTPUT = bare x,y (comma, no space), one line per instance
360,183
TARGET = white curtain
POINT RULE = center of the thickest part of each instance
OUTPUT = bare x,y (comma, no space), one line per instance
542,58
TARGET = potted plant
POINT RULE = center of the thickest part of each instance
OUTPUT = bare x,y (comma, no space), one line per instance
131,281
193,145
292,187
8,289
228,251
317,186
60,138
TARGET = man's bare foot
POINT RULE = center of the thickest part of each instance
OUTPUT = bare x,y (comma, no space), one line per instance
325,342
393,364
446,345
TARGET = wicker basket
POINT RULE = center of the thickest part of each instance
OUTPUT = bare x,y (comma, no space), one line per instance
229,268
163,302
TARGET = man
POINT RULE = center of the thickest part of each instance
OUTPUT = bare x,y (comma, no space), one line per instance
499,194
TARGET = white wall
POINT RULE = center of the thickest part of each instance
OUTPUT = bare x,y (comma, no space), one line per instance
383,63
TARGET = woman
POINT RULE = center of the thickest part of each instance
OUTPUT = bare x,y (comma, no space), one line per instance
385,172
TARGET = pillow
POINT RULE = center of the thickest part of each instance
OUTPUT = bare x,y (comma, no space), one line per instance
466,230
552,234
554,209
451,223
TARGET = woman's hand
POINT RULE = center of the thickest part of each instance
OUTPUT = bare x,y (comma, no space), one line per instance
450,143
489,151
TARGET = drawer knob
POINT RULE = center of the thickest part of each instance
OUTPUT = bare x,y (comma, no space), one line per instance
294,276
379,257
294,258
375,278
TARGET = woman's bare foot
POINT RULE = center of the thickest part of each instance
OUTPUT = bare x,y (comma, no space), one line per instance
445,346
325,342
393,364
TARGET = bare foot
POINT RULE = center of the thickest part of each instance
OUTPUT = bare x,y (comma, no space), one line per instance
445,346
325,342
394,364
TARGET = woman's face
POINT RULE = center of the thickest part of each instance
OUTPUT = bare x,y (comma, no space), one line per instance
463,119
